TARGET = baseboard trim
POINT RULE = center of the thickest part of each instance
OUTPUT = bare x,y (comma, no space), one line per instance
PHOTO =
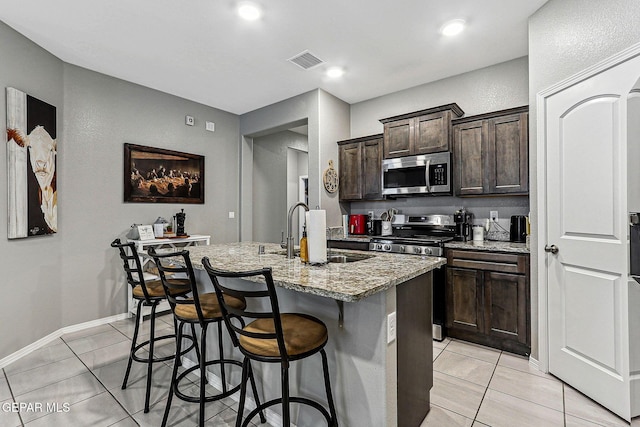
535,364
57,334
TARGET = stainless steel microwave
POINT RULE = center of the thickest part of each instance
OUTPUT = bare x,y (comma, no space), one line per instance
426,174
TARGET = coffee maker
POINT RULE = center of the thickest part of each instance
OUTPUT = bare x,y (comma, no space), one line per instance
463,220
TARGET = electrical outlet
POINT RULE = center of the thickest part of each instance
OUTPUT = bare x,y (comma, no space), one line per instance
370,214
494,216
391,327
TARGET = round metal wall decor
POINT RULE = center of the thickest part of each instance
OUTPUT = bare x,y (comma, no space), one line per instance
330,179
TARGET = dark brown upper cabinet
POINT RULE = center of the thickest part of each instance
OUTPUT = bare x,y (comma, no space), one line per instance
491,153
360,168
420,132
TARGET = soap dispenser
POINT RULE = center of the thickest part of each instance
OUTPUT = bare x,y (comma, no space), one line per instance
304,252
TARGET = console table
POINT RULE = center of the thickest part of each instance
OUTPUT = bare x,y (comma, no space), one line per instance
170,244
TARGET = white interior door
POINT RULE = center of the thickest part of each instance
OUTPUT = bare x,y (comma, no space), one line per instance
586,216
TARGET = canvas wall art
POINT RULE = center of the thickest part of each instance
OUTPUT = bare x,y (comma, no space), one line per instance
156,175
31,166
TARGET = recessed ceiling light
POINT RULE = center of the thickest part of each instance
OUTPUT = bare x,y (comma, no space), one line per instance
335,72
249,11
453,27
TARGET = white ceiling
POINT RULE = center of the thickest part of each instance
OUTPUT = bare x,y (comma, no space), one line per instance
202,51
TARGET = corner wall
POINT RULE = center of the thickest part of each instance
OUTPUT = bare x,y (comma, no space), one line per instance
74,276
327,118
565,37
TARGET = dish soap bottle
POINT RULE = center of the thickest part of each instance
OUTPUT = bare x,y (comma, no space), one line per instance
304,252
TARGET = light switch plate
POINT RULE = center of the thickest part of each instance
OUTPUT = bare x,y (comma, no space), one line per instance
189,120
210,126
232,215
493,215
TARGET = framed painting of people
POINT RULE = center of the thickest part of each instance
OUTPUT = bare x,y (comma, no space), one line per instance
157,175
31,166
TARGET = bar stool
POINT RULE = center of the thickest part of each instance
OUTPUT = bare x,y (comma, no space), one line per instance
202,309
273,337
148,293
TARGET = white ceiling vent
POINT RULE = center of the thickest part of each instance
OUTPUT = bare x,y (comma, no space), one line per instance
306,60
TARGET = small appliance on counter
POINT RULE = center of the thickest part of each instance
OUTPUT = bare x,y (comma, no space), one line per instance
358,224
180,218
375,227
463,220
518,229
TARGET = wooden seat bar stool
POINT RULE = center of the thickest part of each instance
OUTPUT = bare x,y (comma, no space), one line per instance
148,293
201,309
273,337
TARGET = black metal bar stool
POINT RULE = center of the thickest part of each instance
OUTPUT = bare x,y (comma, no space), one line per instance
147,293
202,309
273,337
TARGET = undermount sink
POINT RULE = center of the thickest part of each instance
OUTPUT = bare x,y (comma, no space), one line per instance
341,258
344,258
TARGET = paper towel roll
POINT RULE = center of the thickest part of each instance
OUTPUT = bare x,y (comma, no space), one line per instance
317,236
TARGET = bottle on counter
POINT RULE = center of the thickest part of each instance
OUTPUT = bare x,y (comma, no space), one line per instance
304,251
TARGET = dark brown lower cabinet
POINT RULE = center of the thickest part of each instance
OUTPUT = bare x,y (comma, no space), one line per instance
488,299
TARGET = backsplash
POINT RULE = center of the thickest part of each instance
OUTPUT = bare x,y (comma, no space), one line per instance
480,207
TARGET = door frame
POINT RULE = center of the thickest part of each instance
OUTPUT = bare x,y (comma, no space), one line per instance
541,168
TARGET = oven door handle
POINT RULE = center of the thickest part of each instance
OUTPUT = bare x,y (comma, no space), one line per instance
426,175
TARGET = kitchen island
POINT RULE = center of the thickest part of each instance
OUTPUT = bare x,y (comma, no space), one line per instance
374,382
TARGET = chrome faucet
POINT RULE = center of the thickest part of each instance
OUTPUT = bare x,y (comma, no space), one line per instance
290,244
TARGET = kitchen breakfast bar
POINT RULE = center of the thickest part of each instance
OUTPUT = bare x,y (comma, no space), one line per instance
376,380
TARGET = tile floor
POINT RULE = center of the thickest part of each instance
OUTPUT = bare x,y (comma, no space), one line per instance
82,372
480,386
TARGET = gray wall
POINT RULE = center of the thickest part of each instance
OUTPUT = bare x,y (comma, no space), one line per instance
489,89
73,276
270,183
333,119
30,306
565,37
327,118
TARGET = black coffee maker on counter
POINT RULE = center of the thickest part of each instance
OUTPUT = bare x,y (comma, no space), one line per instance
463,220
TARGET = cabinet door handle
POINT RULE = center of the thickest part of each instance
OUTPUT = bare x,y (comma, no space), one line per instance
553,249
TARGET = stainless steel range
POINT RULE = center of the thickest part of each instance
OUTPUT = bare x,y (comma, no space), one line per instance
423,235
418,235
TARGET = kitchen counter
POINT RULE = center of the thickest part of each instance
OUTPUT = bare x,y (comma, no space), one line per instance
347,282
377,380
489,246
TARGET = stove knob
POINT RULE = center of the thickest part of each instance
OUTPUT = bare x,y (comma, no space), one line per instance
428,251
402,249
379,246
387,247
417,250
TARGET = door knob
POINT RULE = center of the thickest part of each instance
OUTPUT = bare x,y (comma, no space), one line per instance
553,249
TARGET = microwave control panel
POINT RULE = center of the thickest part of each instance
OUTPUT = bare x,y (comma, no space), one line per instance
438,174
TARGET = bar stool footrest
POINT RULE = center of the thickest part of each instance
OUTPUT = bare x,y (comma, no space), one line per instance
211,398
278,401
141,359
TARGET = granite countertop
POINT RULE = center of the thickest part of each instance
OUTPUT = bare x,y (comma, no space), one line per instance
344,282
489,246
486,245
352,238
